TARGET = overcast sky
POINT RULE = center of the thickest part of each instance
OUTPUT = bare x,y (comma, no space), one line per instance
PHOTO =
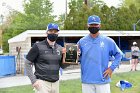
58,6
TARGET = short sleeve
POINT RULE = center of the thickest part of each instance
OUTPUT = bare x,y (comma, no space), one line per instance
33,53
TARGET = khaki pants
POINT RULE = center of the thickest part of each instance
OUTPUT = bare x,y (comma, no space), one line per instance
48,87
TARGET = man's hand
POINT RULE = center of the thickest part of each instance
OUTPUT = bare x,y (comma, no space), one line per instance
37,84
107,73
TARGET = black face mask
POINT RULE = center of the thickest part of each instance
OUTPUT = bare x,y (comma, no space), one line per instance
52,37
93,30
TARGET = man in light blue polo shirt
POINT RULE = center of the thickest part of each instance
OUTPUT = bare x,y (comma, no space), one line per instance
96,50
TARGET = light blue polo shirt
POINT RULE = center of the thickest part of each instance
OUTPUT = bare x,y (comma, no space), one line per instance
94,59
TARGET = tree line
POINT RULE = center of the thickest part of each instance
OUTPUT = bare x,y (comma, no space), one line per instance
38,13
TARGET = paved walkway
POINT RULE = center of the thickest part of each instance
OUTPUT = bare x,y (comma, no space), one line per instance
19,80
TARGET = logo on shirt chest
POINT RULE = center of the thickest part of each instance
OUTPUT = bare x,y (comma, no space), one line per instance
101,44
46,52
58,52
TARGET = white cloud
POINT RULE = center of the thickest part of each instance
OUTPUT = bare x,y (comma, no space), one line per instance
112,2
59,6
8,5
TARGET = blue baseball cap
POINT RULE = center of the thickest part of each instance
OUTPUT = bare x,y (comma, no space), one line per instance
94,20
52,26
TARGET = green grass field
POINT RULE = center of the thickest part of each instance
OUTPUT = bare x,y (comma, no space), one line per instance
74,86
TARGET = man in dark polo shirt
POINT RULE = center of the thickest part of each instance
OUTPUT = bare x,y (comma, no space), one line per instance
46,56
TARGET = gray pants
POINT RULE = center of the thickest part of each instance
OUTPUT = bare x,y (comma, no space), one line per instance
96,88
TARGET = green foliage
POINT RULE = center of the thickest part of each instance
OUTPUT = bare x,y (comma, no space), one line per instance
37,15
76,19
121,18
61,20
127,3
